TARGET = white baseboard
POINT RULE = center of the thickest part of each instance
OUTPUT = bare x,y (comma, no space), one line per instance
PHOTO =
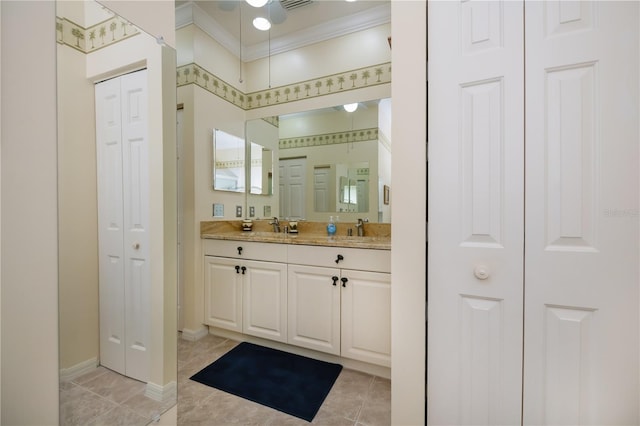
193,335
161,393
77,370
352,364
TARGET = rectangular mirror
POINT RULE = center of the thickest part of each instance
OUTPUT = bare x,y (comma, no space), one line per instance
228,162
261,169
353,188
326,161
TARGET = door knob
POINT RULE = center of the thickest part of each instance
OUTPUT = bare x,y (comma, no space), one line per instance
136,246
344,281
481,272
335,280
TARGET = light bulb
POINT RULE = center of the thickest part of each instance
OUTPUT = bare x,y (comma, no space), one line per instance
350,107
262,24
257,3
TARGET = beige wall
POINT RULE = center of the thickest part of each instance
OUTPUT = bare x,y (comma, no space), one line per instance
77,212
356,50
408,239
29,334
155,17
202,113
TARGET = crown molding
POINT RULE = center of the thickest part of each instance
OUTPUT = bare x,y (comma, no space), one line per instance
190,13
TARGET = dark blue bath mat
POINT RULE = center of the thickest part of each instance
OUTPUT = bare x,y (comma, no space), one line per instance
290,383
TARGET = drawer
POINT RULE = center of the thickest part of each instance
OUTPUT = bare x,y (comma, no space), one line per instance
352,258
250,250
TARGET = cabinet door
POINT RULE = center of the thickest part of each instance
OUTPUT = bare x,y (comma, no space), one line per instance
314,308
265,300
366,317
223,293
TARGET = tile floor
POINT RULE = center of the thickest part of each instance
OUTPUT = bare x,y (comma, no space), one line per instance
355,399
103,397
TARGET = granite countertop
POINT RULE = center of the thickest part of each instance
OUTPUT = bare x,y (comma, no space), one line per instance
379,237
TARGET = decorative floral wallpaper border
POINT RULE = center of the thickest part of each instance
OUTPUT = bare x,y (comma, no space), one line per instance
95,37
360,135
231,164
341,82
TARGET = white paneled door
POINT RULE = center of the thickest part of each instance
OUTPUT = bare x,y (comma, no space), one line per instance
581,264
533,213
475,212
293,178
123,224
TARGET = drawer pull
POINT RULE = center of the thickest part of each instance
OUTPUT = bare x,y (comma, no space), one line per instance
335,280
240,251
344,281
244,268
339,258
237,269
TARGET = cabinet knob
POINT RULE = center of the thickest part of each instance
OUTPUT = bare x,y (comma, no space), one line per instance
335,280
135,245
237,269
481,272
344,281
339,258
239,251
244,268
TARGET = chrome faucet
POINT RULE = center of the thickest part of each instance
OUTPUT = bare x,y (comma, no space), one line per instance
360,227
276,224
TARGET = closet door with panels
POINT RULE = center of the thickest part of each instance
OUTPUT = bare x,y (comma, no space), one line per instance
476,155
581,362
535,308
123,222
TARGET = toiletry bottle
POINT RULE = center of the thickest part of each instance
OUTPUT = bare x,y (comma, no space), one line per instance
331,227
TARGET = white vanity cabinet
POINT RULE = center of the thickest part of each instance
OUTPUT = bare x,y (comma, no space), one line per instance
246,288
223,293
339,310
314,308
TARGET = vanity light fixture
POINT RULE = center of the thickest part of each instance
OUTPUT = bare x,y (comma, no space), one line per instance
350,107
257,3
261,23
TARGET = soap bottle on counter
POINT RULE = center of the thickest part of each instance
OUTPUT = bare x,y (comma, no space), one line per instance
331,227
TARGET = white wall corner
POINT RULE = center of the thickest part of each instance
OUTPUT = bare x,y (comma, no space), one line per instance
166,393
79,369
193,335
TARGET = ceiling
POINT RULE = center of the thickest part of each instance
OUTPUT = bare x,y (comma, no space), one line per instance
316,21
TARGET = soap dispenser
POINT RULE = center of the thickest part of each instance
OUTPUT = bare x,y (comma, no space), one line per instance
331,227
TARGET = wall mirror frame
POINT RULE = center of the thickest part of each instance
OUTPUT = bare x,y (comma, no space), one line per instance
94,44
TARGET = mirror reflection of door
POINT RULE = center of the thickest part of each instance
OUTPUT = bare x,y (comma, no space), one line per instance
322,189
293,173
